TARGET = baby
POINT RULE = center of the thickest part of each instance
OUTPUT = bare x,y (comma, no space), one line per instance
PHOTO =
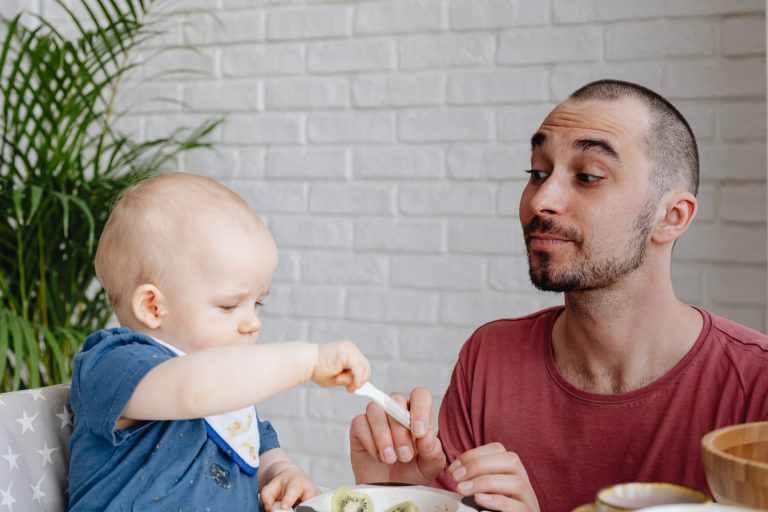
163,405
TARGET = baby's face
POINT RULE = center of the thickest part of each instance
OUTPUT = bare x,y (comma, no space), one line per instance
215,298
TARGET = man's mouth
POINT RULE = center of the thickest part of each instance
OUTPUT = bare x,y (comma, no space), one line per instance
544,241
544,234
547,236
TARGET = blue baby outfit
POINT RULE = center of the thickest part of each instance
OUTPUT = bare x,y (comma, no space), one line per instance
157,465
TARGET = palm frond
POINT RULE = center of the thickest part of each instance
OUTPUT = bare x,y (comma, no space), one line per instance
62,162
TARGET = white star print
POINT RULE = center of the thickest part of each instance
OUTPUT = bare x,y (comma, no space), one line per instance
37,493
65,416
36,393
8,500
46,453
26,422
11,458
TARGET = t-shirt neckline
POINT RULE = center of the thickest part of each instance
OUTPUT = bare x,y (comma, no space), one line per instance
633,395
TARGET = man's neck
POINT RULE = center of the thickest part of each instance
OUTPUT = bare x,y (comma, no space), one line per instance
622,338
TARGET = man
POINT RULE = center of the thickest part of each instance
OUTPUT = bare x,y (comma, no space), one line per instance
621,382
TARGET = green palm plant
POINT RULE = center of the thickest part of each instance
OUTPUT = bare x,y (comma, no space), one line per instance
62,162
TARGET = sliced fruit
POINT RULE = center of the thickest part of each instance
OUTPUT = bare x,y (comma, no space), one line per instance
346,500
406,506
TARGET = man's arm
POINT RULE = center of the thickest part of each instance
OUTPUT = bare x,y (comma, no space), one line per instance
494,476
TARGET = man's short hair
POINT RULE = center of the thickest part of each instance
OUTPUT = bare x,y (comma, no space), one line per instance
671,145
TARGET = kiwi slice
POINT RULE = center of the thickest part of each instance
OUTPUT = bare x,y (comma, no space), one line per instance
346,500
406,506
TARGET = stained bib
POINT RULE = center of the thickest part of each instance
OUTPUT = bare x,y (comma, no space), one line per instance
236,433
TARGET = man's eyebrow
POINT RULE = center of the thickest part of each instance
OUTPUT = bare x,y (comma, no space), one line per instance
602,146
537,140
599,145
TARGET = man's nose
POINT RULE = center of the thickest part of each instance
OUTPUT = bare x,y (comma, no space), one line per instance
550,197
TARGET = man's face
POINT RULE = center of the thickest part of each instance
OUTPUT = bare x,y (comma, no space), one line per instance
587,211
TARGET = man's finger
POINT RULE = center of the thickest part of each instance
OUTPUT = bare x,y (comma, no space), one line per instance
361,438
431,458
381,432
493,463
514,486
401,436
420,406
483,450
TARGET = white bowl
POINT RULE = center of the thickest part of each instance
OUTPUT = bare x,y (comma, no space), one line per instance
385,496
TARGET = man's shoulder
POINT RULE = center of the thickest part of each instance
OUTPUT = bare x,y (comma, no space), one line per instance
515,330
520,324
737,336
740,349
739,355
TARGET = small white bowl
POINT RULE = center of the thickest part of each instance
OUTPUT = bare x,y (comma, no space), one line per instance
385,496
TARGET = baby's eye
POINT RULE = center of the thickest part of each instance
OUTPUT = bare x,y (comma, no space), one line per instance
227,307
259,304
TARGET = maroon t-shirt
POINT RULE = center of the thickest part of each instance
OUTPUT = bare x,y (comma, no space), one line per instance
506,388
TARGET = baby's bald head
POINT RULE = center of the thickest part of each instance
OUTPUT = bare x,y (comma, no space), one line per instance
160,222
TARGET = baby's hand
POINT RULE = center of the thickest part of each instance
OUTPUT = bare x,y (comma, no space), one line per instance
340,363
288,487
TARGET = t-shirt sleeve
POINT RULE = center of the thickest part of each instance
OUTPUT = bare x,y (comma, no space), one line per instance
107,377
267,437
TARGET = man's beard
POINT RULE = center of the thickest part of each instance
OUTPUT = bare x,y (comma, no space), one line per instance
587,275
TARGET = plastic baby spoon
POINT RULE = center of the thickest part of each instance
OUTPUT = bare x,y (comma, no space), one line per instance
394,409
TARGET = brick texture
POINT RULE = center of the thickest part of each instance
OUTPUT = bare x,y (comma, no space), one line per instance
385,141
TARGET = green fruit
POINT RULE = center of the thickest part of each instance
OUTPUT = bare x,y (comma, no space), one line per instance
346,500
406,506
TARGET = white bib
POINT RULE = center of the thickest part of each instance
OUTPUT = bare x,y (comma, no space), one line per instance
236,432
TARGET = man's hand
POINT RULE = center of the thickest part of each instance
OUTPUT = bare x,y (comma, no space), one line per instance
340,363
496,478
382,450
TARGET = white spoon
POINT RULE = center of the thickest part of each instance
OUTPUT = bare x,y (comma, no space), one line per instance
394,409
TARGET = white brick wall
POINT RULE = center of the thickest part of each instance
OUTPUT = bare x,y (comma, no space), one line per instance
384,141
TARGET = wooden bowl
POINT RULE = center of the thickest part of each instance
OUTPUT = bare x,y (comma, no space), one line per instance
736,463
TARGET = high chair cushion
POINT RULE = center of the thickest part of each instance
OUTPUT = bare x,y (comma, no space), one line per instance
35,427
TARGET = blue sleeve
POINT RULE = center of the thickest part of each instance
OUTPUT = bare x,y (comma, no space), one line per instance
106,375
267,437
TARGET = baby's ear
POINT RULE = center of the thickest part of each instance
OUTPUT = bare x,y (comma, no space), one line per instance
147,304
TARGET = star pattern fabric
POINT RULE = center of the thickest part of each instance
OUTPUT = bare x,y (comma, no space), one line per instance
35,427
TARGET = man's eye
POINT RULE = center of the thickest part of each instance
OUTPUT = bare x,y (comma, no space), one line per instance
588,178
536,175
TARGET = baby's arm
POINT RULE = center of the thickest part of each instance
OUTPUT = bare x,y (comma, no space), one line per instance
280,480
223,379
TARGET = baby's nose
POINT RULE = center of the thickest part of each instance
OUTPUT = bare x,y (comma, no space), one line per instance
252,325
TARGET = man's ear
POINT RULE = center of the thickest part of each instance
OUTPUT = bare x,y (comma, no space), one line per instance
679,210
148,305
